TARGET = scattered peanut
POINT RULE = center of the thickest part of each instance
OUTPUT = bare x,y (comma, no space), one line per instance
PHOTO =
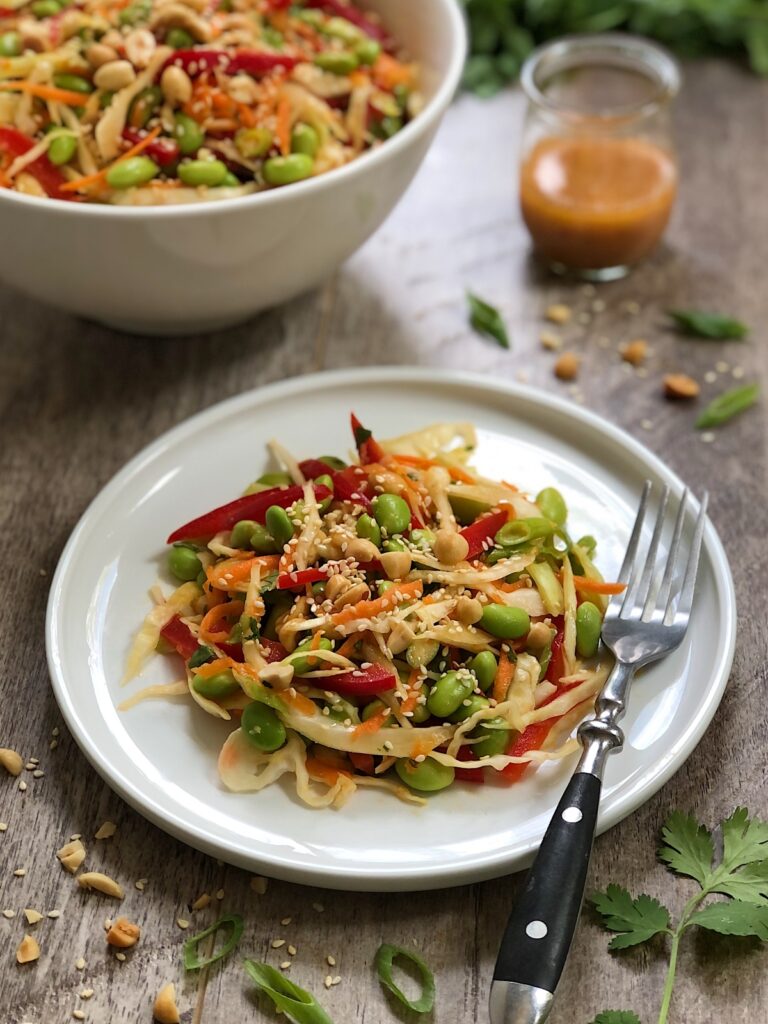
101,883
115,75
176,85
559,313
165,1010
679,385
396,564
550,340
32,916
97,54
123,934
351,593
201,902
400,637
362,550
539,635
259,884
71,855
11,761
468,611
634,352
450,547
106,831
140,46
567,366
28,950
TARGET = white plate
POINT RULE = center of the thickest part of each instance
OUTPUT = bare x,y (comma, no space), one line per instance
161,756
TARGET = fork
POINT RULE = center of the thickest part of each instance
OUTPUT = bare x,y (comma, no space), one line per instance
648,620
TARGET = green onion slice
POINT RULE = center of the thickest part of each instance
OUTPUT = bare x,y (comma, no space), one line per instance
232,922
385,958
728,405
296,1003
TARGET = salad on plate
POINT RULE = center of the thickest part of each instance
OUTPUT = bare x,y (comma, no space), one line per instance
397,621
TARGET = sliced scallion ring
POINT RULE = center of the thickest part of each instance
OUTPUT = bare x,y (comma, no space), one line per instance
232,922
296,1003
385,958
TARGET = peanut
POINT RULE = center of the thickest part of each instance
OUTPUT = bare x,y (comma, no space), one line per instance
176,85
549,340
400,637
101,883
165,1010
106,830
567,366
11,761
115,75
539,636
450,547
98,54
140,46
71,855
32,916
559,313
28,950
123,933
679,385
468,611
362,550
396,564
634,352
352,594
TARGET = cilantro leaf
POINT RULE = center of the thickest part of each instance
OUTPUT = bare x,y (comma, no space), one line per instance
687,847
749,884
637,920
616,1017
708,325
745,841
732,917
486,320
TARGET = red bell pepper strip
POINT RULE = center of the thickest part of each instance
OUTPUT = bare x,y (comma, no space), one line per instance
163,151
556,667
343,10
363,763
251,506
272,650
256,63
361,682
313,468
15,143
476,775
481,531
531,738
179,635
368,448
253,62
350,485
300,578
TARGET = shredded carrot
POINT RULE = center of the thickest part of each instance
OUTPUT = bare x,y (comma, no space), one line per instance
213,596
367,609
232,572
389,72
509,509
283,129
225,612
413,691
358,78
46,92
587,586
373,724
503,679
212,668
510,588
323,772
349,645
246,115
298,701
420,463
101,176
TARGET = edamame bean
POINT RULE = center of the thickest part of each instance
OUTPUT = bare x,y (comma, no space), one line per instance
340,28
423,539
372,708
183,562
223,684
241,533
494,741
136,170
333,462
468,707
254,142
263,727
72,83
386,127
230,180
383,586
448,693
392,513
309,664
179,39
202,172
552,504
367,51
285,170
135,13
589,622
278,524
504,622
45,8
262,541
421,652
341,710
395,544
420,714
484,667
10,44
368,529
62,149
277,479
188,134
427,776
337,62
304,139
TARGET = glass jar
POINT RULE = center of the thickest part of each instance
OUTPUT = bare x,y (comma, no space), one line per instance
598,173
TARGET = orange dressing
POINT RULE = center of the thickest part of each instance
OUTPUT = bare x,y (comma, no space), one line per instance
592,203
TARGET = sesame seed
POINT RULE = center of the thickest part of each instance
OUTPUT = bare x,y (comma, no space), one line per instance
707,437
598,306
80,963
336,980
220,894
292,951
86,993
182,923
277,943
285,965
318,907
722,367
603,342
120,957
328,981
22,785
20,872
631,307
646,424
331,960
9,914
710,376
78,1015
75,836
38,773
30,765
53,744
259,884
286,920
3,826
140,883
53,914
55,731
737,372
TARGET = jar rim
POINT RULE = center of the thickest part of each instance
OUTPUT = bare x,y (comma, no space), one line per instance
617,48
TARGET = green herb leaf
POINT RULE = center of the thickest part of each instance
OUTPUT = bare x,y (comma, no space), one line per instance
745,841
731,917
296,1003
637,920
487,320
616,1017
687,847
385,958
229,922
728,405
708,325
201,655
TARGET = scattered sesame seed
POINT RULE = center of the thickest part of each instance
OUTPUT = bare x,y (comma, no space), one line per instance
182,923
737,372
53,744
598,306
53,914
22,785
522,376
106,830
120,957
331,960
86,993
38,773
387,745
220,894
707,437
292,951
646,424
43,572
550,341
710,376
259,884
3,826
558,313
20,872
9,913
722,367
286,920
80,963
603,342
75,836
336,980
140,883
328,981
107,923
78,1015
277,943
30,765
631,307
318,907
285,965
584,318
55,730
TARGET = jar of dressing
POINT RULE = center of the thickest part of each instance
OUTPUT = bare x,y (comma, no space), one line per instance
598,172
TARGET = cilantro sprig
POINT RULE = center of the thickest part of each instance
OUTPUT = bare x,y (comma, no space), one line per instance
739,873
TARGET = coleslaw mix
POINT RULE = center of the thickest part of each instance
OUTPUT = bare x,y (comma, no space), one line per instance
152,102
398,622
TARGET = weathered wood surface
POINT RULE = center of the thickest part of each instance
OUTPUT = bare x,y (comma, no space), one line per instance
77,400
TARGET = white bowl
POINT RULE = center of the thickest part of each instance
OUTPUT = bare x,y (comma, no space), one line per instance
185,269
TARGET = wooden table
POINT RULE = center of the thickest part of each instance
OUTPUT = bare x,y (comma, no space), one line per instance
78,400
